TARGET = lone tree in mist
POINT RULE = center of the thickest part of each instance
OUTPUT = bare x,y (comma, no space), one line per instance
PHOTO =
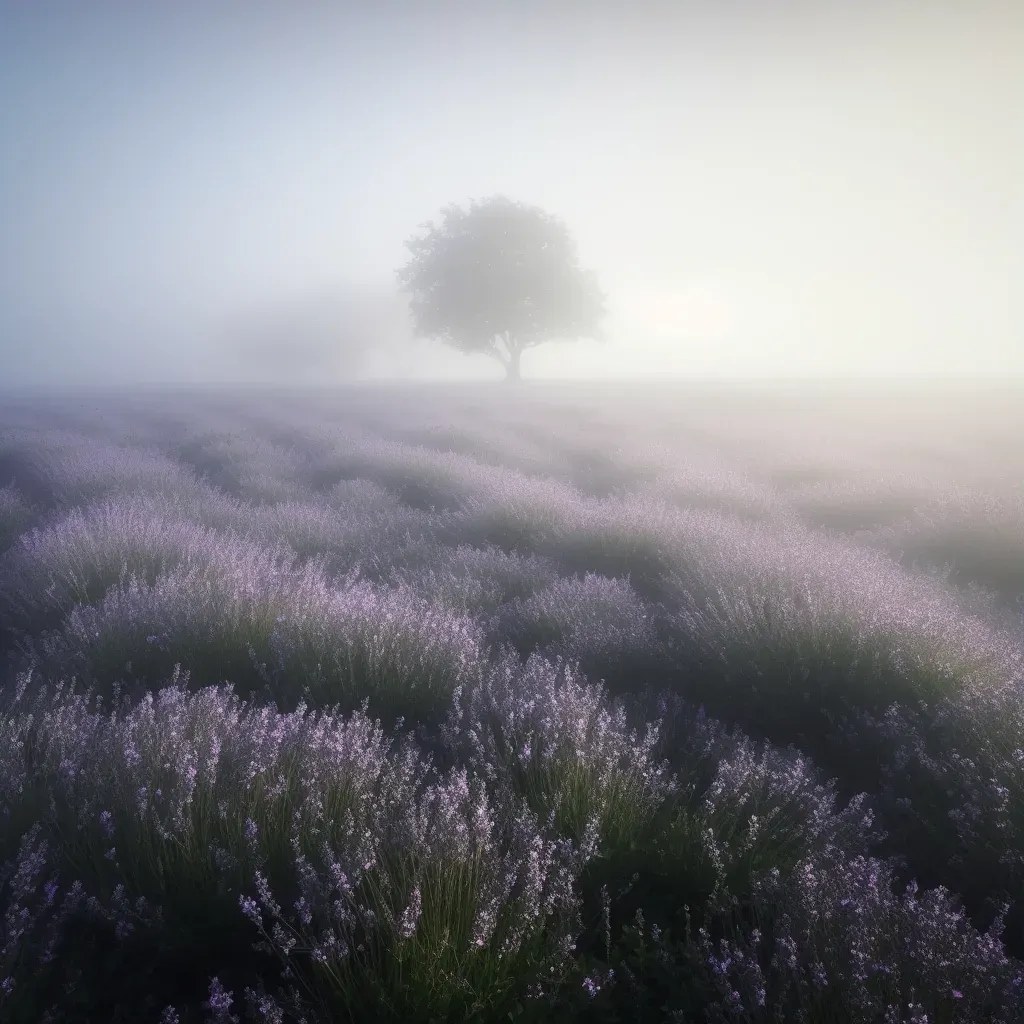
500,278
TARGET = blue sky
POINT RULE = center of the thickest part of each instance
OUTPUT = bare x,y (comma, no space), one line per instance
772,187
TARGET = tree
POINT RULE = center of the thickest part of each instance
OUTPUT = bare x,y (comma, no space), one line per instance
499,278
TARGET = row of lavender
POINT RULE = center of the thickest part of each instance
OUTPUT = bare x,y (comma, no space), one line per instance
377,877
528,780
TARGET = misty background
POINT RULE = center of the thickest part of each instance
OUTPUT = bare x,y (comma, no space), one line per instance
196,192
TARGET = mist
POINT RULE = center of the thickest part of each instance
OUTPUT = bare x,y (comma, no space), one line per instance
200,194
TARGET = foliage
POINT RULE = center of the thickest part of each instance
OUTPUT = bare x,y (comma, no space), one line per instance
499,278
306,718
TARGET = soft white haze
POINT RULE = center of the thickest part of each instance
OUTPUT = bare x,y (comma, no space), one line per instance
767,188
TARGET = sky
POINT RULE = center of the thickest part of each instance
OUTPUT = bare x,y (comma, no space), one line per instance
768,188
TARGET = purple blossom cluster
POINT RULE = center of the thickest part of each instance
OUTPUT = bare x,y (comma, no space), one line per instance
766,807
738,571
953,785
594,620
79,557
251,467
476,580
380,842
358,525
840,941
971,536
254,616
15,515
543,730
695,480
75,469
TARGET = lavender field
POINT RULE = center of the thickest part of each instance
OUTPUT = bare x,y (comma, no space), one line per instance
561,702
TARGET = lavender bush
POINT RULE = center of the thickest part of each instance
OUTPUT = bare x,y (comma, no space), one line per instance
259,621
248,466
191,801
475,580
840,942
976,538
76,470
555,740
793,632
359,526
77,558
952,788
596,621
15,515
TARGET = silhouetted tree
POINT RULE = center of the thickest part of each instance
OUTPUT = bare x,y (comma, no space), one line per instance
500,278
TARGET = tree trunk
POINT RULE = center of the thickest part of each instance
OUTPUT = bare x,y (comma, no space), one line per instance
512,366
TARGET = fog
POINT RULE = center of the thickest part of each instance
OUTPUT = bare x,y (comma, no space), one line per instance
198,192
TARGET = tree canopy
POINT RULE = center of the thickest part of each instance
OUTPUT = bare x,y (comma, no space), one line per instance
499,278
